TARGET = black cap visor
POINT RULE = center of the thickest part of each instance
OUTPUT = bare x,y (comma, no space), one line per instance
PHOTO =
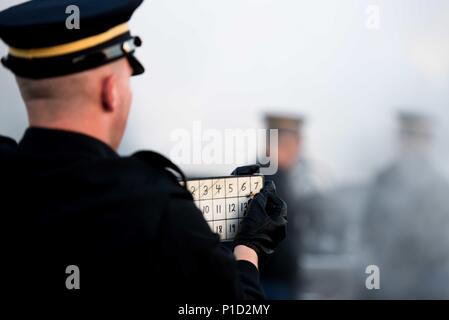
135,64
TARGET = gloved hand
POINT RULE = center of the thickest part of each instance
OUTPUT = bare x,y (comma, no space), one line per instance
265,223
246,170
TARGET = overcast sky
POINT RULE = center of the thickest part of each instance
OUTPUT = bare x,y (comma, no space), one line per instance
224,63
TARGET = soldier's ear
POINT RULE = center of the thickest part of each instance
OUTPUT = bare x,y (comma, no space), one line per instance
110,93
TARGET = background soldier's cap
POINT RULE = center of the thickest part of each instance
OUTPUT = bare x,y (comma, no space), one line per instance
43,42
414,124
284,123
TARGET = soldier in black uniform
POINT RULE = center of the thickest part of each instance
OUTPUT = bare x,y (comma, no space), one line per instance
68,199
281,273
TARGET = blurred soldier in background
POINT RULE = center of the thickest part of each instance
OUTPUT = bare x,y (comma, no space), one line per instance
281,274
407,218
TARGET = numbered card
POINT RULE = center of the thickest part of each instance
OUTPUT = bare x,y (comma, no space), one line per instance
224,201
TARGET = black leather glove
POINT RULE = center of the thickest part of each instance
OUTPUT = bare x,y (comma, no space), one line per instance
265,223
246,170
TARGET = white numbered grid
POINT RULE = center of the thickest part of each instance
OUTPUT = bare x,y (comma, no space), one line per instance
224,200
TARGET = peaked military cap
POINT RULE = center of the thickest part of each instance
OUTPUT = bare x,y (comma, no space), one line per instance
414,124
46,41
284,122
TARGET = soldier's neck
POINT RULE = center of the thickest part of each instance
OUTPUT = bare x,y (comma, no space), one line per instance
88,127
